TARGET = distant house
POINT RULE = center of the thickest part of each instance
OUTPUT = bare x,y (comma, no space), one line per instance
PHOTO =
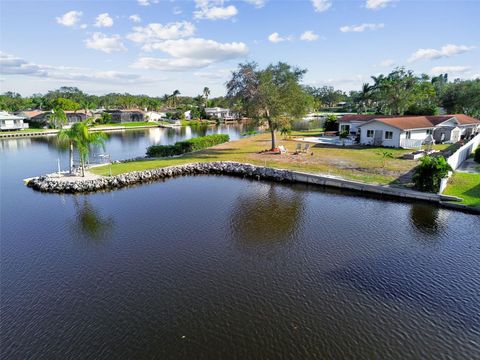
188,114
221,113
412,131
122,116
39,118
155,115
11,122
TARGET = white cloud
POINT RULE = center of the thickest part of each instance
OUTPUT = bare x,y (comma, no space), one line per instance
213,10
135,18
387,63
361,27
147,2
70,18
12,65
445,51
321,5
450,69
83,26
193,53
218,74
276,38
105,43
257,3
309,36
170,64
377,4
103,20
197,48
154,32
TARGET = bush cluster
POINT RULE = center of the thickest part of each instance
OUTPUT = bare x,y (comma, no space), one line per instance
182,147
430,172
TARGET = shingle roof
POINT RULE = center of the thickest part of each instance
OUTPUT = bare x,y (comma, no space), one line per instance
422,122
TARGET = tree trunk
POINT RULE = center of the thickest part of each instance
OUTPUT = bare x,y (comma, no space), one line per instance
83,166
274,145
71,157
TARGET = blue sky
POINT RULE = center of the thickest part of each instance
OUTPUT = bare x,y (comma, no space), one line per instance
157,46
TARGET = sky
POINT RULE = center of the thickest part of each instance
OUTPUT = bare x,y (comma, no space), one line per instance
154,47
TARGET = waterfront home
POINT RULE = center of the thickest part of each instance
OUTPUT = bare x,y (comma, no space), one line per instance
410,132
11,122
221,113
39,118
123,116
155,115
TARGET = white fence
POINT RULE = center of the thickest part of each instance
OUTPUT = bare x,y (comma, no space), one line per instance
411,144
458,157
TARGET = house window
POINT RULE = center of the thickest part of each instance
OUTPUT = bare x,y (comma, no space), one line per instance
388,135
429,131
408,134
369,133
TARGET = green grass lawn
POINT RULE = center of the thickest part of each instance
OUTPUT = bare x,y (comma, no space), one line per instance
465,186
359,163
133,124
29,130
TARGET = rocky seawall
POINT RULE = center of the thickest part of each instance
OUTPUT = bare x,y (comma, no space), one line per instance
53,185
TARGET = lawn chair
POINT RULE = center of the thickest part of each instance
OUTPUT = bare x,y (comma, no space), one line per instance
298,149
282,149
306,148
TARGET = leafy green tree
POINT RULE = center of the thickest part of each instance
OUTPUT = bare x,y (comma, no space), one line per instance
272,95
462,97
429,173
331,123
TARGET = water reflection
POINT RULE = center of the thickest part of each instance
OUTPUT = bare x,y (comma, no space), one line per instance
270,213
89,223
426,218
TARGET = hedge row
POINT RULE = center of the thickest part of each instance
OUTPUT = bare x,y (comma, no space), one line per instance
182,147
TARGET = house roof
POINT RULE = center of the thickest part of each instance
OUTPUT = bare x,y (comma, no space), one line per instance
465,119
422,122
6,116
32,113
348,118
414,122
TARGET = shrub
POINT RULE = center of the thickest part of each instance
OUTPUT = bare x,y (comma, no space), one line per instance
182,147
430,172
476,157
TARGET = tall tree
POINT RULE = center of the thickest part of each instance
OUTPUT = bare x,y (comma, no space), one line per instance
273,95
206,94
174,97
82,138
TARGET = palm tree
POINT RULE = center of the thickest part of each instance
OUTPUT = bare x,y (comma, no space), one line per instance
174,97
57,118
206,94
80,136
365,96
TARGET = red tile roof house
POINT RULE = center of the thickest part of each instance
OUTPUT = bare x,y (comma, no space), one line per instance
408,131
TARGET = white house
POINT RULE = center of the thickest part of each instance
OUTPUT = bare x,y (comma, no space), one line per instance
155,116
11,122
410,132
221,113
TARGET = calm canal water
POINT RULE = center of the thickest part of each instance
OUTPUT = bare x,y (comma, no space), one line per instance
217,267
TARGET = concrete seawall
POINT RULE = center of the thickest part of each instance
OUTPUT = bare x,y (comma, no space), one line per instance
53,185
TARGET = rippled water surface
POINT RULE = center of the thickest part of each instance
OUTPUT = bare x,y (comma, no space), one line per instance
220,267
